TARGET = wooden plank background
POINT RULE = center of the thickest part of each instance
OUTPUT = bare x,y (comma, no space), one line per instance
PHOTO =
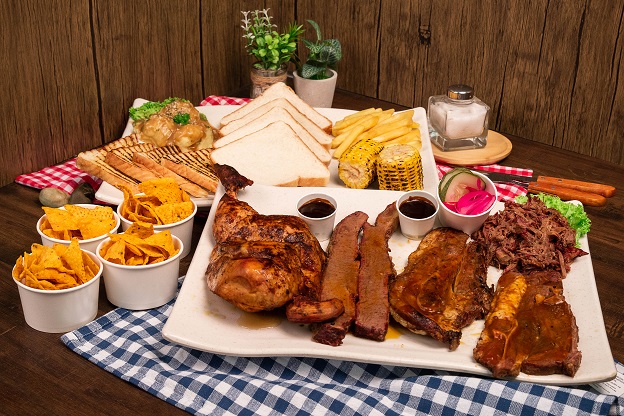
550,70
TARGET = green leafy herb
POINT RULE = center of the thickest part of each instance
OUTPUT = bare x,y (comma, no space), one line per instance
270,48
323,54
574,213
181,118
151,107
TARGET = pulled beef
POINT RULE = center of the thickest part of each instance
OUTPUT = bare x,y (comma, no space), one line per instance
526,237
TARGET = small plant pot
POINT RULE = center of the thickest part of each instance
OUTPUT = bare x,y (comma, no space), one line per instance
316,92
261,79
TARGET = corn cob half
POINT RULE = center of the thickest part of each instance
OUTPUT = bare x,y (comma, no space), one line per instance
399,168
356,166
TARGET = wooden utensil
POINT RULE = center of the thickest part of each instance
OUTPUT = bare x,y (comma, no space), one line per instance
596,188
567,194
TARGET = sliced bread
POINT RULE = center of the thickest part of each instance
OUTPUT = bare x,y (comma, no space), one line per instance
121,159
94,163
271,116
152,162
274,155
195,166
319,134
280,90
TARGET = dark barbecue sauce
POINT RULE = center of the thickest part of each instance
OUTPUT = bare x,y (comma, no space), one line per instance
317,208
417,207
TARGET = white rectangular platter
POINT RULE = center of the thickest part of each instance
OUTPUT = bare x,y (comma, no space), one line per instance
203,321
109,194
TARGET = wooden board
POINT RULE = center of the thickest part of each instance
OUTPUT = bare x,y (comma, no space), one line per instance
498,147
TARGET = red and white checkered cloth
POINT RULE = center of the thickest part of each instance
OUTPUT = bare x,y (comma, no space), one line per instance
506,191
223,100
67,177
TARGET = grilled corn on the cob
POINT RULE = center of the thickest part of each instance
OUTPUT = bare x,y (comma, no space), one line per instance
356,166
399,168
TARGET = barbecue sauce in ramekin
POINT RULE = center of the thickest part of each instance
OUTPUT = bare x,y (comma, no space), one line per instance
417,207
317,208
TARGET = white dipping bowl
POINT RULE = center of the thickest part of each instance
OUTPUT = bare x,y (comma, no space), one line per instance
62,310
462,222
182,229
88,244
416,228
142,287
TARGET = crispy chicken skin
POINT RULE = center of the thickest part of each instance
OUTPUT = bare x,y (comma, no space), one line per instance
255,276
236,221
260,262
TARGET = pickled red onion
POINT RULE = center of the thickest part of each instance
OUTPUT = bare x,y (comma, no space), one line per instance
473,203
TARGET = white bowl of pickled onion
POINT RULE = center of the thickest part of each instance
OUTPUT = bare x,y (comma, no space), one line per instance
476,207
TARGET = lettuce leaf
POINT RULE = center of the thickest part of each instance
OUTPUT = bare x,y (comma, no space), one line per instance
151,107
574,213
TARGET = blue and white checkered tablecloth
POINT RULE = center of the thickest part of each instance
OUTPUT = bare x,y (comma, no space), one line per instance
130,345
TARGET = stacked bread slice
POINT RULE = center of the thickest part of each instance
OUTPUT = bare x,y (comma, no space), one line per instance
128,162
276,139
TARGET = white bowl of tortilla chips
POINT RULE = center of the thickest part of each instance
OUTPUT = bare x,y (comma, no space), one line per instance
59,286
89,223
163,204
141,266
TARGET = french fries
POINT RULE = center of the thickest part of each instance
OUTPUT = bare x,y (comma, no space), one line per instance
352,119
351,137
386,127
361,117
366,124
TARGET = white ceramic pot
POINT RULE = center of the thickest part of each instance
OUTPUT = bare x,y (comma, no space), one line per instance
182,229
316,92
141,287
89,244
467,223
62,310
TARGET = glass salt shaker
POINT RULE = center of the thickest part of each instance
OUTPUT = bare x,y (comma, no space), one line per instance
458,120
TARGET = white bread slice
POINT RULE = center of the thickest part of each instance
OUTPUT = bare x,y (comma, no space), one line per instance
275,156
271,116
123,162
93,162
321,136
195,166
280,90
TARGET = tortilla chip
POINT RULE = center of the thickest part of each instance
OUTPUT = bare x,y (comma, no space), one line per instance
115,252
54,268
139,229
165,189
139,245
74,221
60,219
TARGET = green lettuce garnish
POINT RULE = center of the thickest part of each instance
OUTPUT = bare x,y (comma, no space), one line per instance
151,107
574,213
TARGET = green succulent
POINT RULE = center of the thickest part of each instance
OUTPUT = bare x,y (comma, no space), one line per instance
270,48
323,54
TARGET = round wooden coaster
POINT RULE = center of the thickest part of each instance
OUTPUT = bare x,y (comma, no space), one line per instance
497,148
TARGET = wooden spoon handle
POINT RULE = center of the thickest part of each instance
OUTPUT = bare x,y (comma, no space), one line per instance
568,194
591,187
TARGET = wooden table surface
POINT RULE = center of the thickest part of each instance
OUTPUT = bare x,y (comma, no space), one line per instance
39,375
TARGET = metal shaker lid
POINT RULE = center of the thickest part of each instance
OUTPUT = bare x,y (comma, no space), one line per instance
460,92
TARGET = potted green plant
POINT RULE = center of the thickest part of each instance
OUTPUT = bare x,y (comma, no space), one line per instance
315,79
271,49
